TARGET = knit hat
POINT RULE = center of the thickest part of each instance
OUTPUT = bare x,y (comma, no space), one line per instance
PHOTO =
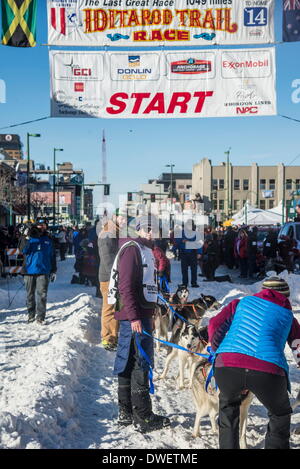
278,284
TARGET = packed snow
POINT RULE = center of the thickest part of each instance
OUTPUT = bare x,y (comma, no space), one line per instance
57,388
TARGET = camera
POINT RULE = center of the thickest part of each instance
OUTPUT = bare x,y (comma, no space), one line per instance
25,229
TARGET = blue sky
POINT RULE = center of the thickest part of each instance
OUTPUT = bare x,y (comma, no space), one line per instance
139,149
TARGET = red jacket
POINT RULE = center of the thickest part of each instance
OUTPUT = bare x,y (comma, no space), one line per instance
243,248
162,263
220,324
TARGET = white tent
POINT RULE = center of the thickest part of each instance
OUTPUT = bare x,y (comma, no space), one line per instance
250,215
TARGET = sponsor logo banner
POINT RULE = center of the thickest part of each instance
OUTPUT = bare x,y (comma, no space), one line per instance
194,83
157,22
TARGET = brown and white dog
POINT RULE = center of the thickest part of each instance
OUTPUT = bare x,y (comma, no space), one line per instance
207,403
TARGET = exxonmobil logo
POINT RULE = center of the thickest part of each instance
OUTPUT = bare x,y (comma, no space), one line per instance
247,110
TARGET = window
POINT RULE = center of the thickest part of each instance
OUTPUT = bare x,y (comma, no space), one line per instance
181,187
64,209
271,204
215,184
236,205
215,204
262,184
246,184
288,184
236,184
221,204
272,184
221,184
262,204
297,184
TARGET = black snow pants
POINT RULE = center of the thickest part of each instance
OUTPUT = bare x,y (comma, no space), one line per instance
270,389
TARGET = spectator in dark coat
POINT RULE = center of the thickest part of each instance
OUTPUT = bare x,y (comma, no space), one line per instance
210,257
241,252
252,251
108,245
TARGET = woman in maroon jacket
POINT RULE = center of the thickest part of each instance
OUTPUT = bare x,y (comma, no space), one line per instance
135,315
240,252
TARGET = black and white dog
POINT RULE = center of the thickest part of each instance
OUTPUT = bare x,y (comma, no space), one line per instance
195,309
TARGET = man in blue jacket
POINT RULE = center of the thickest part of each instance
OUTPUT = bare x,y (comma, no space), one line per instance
40,268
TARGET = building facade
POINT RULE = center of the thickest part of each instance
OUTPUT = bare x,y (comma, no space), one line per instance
227,187
10,144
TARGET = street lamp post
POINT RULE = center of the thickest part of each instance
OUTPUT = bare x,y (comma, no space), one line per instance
54,182
171,166
28,172
228,190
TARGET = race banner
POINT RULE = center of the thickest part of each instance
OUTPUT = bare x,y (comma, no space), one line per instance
163,84
291,20
160,22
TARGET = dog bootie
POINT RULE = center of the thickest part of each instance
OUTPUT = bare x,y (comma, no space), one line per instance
125,417
151,423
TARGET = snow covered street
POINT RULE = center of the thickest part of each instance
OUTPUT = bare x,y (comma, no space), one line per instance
57,389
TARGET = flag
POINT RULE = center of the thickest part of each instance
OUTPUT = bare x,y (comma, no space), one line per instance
58,19
291,20
19,23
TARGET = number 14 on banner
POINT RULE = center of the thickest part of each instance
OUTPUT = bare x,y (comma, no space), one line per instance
255,16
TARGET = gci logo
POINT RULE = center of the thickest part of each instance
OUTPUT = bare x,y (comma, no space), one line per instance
247,110
82,72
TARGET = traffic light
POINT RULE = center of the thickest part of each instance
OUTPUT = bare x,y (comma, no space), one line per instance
129,196
152,197
106,189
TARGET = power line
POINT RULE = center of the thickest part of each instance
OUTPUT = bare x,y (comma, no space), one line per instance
289,118
24,123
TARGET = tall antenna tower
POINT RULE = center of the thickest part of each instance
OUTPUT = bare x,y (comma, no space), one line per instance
104,169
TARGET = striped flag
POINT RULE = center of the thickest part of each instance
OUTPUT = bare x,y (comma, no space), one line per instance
291,20
19,23
58,19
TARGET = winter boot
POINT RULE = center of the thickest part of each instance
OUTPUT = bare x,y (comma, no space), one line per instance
125,417
151,423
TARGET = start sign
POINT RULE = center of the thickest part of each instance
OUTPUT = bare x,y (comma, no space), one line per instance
164,84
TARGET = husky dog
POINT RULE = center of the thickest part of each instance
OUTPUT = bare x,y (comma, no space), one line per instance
297,402
161,323
207,403
196,309
181,295
186,336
